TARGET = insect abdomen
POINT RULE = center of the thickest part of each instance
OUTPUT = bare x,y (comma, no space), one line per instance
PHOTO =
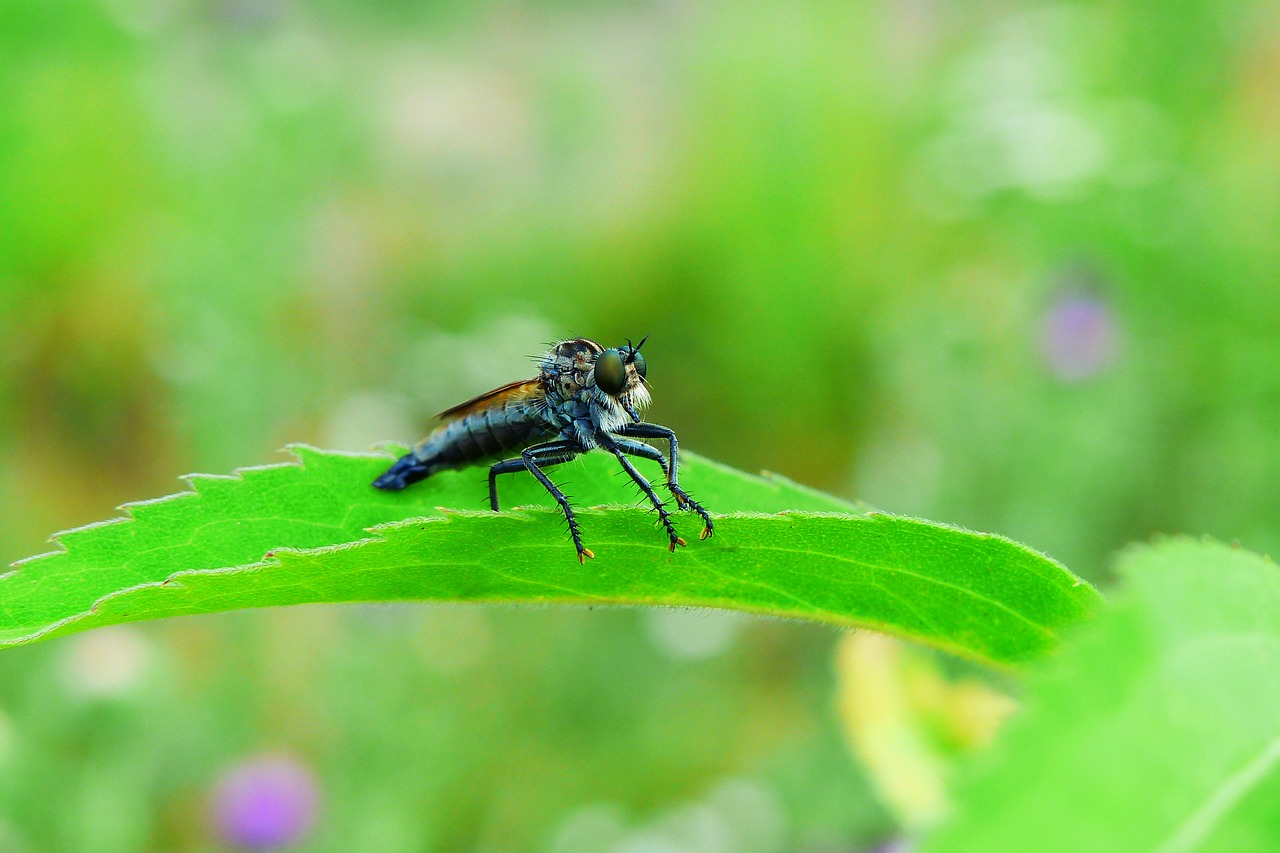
481,435
407,471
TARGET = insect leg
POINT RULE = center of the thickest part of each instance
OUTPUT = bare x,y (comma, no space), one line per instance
609,443
639,448
551,453
565,450
673,471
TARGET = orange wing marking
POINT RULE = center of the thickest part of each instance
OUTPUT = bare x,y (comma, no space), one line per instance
498,397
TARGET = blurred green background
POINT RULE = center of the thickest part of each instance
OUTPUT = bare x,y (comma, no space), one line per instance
1006,265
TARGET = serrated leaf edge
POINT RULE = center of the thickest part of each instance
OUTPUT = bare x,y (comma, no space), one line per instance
175,578
297,449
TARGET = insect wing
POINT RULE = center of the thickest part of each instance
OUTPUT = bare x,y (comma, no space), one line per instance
526,391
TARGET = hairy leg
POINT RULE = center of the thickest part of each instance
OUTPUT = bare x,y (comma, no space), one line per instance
547,454
611,444
532,459
671,470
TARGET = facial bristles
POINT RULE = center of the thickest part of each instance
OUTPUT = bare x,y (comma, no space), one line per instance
639,396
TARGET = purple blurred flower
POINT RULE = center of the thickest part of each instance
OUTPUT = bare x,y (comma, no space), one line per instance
1080,336
265,803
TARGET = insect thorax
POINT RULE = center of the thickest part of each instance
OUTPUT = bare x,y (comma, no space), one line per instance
566,370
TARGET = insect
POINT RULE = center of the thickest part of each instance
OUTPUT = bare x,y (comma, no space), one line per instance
584,397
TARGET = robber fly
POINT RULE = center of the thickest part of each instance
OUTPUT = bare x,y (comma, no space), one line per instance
584,397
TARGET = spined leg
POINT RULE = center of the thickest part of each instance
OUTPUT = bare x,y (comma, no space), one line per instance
611,444
671,470
552,453
645,451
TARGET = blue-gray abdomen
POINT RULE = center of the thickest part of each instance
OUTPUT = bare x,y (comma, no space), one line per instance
484,434
487,433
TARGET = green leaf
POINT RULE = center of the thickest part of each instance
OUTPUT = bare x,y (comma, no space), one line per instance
1158,729
317,532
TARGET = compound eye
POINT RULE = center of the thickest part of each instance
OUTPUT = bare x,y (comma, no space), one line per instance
638,360
611,373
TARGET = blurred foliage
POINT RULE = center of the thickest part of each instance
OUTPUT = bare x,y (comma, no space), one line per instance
911,725
1159,723
859,235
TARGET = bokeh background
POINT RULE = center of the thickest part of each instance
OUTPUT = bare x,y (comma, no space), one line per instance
1002,264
